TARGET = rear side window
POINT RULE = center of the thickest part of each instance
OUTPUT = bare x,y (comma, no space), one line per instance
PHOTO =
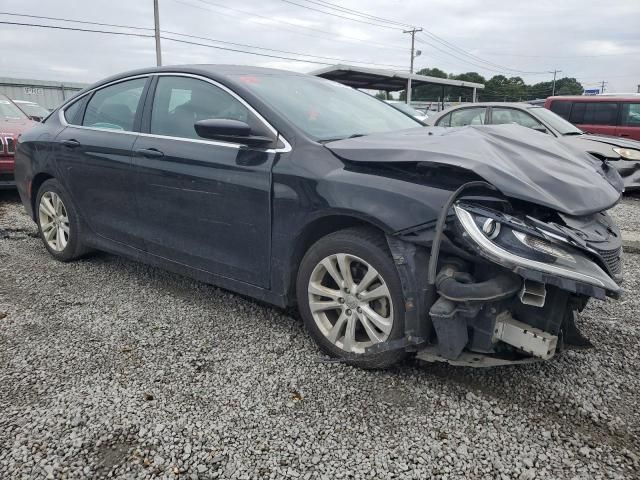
468,116
594,113
561,108
115,107
444,121
631,114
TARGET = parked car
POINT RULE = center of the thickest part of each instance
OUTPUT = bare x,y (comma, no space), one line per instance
389,237
606,114
33,110
13,122
409,110
622,153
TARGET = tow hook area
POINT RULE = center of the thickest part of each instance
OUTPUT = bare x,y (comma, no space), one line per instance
524,337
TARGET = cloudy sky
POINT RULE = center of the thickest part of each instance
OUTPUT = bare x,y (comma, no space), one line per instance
589,40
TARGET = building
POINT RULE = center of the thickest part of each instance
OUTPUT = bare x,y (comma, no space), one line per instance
47,94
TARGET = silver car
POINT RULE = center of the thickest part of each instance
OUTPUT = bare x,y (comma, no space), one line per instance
623,154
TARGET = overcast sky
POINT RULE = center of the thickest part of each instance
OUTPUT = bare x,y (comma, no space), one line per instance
589,40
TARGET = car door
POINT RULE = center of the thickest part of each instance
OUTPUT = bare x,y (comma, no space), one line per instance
630,121
94,158
202,203
595,117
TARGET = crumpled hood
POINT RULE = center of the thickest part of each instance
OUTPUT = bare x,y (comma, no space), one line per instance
519,161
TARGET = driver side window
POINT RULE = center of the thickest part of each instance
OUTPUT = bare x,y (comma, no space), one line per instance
180,102
501,116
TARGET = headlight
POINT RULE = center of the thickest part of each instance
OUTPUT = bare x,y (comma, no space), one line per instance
543,246
517,250
627,153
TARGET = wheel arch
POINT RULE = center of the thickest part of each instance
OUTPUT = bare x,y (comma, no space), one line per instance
317,229
36,183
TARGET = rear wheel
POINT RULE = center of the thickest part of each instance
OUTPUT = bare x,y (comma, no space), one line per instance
58,222
350,297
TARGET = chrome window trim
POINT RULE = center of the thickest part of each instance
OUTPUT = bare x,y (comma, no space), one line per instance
279,136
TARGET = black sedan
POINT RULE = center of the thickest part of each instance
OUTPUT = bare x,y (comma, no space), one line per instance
623,154
390,238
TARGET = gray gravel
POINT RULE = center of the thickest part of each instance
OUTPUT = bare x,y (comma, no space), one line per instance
627,212
112,368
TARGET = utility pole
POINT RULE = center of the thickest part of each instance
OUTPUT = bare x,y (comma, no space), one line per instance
553,88
603,85
156,19
413,55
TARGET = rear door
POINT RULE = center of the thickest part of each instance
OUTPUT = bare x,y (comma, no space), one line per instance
629,121
94,158
203,203
596,117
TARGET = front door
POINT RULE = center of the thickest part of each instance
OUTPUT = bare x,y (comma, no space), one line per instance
205,204
94,159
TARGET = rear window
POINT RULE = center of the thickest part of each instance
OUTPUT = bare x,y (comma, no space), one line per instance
594,113
561,108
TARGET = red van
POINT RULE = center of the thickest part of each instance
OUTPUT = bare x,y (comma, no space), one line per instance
604,114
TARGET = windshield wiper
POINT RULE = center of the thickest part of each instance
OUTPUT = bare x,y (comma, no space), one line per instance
572,133
355,135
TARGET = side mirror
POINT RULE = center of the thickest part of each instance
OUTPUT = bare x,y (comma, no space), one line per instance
540,128
228,130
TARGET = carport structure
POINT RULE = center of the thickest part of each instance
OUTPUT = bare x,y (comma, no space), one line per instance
388,80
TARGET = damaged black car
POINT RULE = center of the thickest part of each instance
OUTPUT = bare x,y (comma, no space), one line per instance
475,246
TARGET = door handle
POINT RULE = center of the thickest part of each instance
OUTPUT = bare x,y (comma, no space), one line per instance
624,135
71,143
150,152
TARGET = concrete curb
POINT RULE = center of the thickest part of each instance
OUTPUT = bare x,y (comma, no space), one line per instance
630,241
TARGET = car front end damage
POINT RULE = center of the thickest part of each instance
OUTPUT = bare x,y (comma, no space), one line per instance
504,281
518,244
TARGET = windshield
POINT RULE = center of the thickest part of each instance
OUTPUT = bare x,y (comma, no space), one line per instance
326,110
33,109
555,121
8,111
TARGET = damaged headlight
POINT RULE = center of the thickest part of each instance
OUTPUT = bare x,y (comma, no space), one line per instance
543,246
627,153
529,255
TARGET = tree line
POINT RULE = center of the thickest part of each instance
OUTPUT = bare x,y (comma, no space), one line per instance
498,88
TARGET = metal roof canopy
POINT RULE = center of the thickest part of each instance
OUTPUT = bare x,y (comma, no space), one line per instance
387,80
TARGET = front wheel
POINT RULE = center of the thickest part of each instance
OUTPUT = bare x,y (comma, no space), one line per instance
350,297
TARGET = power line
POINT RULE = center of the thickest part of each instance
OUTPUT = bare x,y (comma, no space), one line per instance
280,51
202,38
356,12
280,21
40,17
109,32
340,16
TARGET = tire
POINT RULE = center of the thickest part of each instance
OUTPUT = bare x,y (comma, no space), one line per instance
57,209
347,320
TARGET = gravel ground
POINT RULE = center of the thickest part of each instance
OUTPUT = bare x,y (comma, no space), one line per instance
627,213
109,368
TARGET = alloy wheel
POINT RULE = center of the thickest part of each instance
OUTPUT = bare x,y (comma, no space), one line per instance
54,221
350,302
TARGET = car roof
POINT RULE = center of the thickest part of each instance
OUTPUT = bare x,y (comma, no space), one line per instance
597,98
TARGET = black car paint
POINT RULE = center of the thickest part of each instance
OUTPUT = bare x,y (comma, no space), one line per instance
265,206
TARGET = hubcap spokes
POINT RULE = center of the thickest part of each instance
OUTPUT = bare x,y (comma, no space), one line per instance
54,221
350,302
